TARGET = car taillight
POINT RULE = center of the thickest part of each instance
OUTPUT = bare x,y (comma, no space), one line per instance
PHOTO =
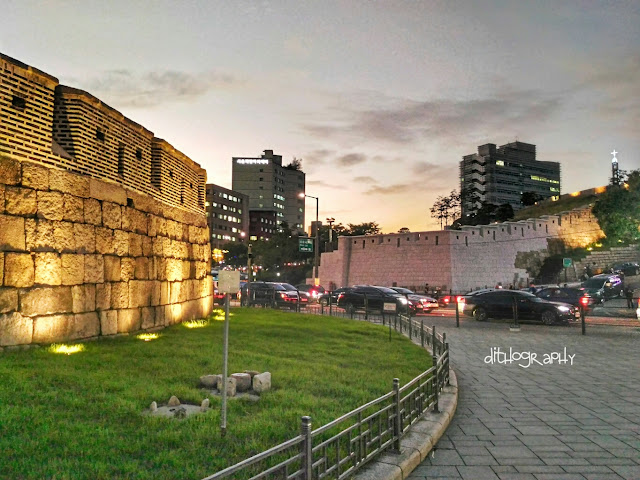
340,296
459,299
584,301
283,295
446,299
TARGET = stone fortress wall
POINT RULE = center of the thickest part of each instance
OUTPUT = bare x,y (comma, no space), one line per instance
460,260
102,225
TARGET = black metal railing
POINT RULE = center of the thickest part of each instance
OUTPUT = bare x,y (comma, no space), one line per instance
340,448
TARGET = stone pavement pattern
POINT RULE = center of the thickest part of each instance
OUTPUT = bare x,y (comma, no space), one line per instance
551,422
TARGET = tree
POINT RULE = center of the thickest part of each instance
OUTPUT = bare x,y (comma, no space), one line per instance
618,210
404,230
366,228
530,198
486,214
445,208
296,164
236,254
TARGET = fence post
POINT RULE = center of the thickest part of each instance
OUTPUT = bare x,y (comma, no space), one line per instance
457,313
366,307
444,339
446,351
433,339
397,424
422,332
436,406
582,319
307,460
410,328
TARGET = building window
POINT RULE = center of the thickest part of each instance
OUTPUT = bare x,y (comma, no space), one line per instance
100,135
139,153
18,102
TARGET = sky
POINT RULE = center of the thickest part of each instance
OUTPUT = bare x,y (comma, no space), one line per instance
380,99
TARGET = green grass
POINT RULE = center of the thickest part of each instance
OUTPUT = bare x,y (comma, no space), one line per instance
552,208
80,416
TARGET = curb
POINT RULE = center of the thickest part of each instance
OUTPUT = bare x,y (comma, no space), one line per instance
418,442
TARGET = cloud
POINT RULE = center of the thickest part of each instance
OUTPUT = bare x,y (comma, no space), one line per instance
322,183
365,179
391,189
351,159
127,88
404,121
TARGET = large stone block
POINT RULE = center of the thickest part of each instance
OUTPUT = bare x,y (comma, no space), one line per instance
112,269
156,244
147,317
161,226
8,300
84,238
64,239
92,211
107,191
34,176
84,298
46,301
165,292
174,269
20,201
111,215
38,235
120,295
188,269
73,208
159,316
66,182
142,268
140,293
72,269
173,314
93,269
12,233
52,328
128,320
104,241
128,268
1,268
108,322
50,205
155,292
121,243
134,221
18,270
85,325
48,268
15,329
147,246
135,245
9,171
201,269
262,382
103,296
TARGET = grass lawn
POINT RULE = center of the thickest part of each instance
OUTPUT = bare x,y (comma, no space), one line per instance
80,416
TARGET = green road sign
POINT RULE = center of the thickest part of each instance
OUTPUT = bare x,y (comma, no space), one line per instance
566,262
305,244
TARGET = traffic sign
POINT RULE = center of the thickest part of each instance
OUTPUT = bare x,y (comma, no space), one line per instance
305,244
566,262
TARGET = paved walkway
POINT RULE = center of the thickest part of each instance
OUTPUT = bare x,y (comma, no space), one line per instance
546,422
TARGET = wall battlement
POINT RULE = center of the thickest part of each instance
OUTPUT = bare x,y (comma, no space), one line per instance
65,127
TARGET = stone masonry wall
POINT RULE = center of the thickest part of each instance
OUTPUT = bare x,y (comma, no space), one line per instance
83,258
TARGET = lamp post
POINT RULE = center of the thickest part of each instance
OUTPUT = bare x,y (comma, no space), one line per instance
317,243
331,221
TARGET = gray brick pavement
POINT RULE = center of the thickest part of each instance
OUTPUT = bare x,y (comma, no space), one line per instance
544,422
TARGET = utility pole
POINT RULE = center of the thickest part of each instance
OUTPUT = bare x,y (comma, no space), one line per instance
249,269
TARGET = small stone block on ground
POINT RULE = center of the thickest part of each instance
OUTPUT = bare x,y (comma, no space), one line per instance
262,382
243,381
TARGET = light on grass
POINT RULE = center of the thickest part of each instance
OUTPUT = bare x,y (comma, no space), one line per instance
147,337
195,323
66,349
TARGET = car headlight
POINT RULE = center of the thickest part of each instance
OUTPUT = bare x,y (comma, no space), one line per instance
403,300
564,309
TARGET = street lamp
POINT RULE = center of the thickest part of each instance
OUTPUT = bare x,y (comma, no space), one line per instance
316,281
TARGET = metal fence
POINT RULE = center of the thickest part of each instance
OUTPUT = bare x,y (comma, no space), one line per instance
340,448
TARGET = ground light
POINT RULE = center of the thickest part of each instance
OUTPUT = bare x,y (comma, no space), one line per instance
66,349
147,337
195,323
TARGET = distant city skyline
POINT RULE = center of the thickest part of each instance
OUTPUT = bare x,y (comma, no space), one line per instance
381,100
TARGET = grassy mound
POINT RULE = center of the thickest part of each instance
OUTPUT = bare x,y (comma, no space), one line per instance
79,416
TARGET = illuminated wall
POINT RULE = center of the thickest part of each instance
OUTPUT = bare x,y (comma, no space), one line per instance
461,260
83,258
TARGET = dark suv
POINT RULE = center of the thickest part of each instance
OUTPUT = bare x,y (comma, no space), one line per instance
603,287
577,297
376,297
499,304
272,294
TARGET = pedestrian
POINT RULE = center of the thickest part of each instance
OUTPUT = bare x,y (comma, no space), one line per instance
628,292
532,288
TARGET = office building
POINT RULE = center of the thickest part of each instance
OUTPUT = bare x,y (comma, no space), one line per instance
227,215
271,187
502,174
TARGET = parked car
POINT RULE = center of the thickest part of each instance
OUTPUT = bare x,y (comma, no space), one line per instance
313,291
499,304
332,296
273,294
577,297
354,299
603,287
445,300
423,303
627,268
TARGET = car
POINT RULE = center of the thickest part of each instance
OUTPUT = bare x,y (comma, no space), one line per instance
499,304
314,291
332,296
577,297
446,300
603,287
376,298
273,294
423,303
627,268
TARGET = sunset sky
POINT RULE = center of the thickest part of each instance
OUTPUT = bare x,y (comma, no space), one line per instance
380,99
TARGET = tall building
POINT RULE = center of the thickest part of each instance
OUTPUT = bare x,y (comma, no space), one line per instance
271,187
227,215
502,174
